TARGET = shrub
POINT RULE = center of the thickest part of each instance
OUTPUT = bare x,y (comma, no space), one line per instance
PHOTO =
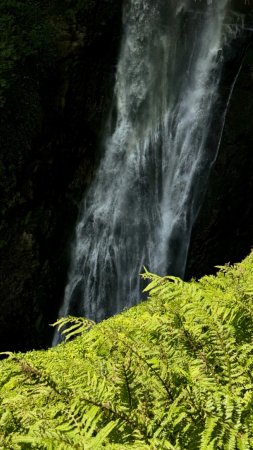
174,372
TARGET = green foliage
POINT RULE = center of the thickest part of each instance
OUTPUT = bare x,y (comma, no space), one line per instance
175,372
70,327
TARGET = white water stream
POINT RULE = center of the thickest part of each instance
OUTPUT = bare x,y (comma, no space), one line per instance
148,188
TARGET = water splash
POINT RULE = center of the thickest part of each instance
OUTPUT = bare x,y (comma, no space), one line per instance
141,207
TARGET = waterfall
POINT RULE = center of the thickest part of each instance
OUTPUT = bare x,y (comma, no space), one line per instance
141,206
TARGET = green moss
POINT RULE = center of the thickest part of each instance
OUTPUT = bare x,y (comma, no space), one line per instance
174,372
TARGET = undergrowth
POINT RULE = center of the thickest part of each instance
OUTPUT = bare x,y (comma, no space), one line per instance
174,372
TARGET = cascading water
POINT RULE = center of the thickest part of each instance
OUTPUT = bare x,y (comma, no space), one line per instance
142,204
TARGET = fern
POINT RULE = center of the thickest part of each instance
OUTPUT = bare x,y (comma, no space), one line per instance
173,373
70,327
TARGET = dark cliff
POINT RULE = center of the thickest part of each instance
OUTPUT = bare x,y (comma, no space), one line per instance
52,114
223,231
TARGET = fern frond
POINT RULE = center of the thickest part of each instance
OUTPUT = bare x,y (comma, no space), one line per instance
71,327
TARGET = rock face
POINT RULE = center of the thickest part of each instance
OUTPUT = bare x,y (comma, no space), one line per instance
50,133
223,231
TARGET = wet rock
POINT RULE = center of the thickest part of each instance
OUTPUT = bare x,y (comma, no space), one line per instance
223,231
